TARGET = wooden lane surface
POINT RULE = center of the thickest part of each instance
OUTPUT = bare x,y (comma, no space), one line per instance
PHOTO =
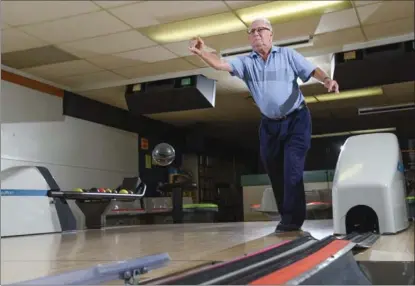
397,247
43,255
189,245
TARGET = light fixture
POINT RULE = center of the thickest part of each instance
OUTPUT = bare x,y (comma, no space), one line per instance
310,99
348,94
354,132
387,108
282,11
217,24
185,30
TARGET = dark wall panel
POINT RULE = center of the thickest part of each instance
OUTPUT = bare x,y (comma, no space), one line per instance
84,108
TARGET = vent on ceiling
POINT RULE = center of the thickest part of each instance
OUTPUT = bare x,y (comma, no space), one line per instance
292,43
384,109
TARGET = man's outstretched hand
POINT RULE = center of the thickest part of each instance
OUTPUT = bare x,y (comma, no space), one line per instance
331,85
196,46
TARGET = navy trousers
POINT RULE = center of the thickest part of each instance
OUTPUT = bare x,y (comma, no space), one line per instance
284,144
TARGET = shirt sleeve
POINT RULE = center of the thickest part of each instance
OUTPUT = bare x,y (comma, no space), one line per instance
237,66
302,67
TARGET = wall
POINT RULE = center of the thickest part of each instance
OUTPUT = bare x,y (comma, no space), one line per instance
78,153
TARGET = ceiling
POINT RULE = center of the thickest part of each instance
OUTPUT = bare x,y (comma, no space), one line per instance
95,48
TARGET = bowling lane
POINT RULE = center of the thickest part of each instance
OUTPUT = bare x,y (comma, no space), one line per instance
187,244
47,254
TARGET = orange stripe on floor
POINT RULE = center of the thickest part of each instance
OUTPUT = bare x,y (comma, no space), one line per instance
30,83
294,270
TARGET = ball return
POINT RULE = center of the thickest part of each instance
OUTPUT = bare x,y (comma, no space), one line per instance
93,205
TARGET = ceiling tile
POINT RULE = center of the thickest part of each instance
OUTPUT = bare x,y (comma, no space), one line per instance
109,44
389,29
110,4
113,92
405,89
338,38
36,57
149,55
244,4
64,69
113,62
227,41
195,60
28,12
214,74
297,28
80,81
77,27
365,2
330,22
113,96
15,40
313,89
157,68
385,11
182,48
157,12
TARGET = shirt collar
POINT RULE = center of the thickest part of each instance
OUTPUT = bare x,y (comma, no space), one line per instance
274,50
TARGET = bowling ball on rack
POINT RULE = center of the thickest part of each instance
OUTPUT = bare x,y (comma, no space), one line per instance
163,154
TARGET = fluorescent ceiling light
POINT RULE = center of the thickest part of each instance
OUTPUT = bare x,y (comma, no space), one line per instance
280,11
204,27
387,108
348,94
217,24
354,132
310,99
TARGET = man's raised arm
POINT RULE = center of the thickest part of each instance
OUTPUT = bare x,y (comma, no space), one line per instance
197,48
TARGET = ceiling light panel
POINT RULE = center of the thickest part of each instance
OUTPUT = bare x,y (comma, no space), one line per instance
203,27
283,11
350,94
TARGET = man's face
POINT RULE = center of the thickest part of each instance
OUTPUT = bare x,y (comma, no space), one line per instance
260,36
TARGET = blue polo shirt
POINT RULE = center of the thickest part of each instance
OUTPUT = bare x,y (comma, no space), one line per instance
273,84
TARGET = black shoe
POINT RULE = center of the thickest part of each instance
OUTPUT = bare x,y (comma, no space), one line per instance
287,229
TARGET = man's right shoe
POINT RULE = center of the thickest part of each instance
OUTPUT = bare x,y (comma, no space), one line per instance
289,229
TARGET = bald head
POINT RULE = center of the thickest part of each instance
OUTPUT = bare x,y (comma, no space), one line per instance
260,35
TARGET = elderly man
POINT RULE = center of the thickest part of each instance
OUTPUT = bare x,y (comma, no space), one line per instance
271,73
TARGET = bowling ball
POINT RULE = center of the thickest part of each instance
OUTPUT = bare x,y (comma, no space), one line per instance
123,191
101,190
79,190
163,154
108,190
